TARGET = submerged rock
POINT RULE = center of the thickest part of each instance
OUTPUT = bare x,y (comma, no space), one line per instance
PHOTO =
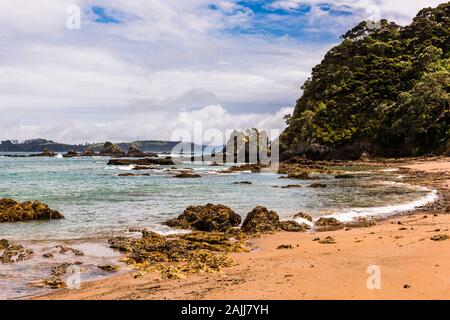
133,174
141,162
243,182
317,185
206,218
329,223
109,268
187,175
55,282
13,253
344,176
12,211
291,186
261,220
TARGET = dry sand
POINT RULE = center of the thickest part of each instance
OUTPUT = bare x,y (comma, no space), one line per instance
412,266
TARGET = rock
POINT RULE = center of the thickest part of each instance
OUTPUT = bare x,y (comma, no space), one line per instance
70,154
55,282
362,223
303,216
134,152
4,244
293,226
12,211
141,162
137,168
128,174
344,176
328,240
261,220
285,246
254,168
290,186
440,237
14,253
109,268
329,223
48,255
187,175
242,182
317,185
180,254
88,152
365,156
47,153
63,250
111,150
206,218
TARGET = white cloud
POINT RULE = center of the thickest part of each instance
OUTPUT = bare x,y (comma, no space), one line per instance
162,65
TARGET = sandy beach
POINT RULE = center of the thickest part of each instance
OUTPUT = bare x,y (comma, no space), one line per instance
410,264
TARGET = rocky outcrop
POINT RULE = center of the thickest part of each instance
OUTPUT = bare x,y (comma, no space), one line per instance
111,150
329,223
70,154
261,220
293,226
13,253
141,162
88,152
303,216
206,218
12,211
134,152
181,254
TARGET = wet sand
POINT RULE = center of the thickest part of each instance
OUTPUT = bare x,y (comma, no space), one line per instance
412,265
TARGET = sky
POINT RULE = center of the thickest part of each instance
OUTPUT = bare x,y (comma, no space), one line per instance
128,70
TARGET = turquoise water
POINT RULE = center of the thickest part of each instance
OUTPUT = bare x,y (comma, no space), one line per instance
95,201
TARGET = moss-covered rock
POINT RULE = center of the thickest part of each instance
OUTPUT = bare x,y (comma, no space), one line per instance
293,226
12,211
261,220
174,256
329,223
206,218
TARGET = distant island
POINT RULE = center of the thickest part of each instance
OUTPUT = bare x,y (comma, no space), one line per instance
39,145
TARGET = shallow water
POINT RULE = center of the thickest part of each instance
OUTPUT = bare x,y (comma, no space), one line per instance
96,202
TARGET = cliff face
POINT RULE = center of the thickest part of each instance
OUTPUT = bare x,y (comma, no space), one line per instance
383,90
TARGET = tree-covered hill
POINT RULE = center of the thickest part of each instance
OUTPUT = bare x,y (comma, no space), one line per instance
385,90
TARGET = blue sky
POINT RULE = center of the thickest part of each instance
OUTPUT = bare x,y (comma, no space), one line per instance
143,69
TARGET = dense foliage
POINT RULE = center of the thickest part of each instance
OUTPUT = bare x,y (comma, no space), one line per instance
385,90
